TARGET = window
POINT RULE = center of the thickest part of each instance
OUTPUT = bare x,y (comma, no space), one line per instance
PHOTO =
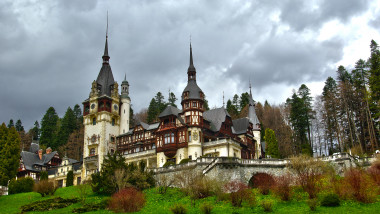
194,104
172,138
186,105
187,119
189,136
195,155
167,138
113,121
94,121
92,151
112,151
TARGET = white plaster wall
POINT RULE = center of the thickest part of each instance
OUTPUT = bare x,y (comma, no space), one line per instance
124,117
181,154
161,159
195,146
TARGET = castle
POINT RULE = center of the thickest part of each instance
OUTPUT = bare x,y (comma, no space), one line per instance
187,133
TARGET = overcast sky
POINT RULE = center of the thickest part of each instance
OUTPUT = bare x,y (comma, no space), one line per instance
50,51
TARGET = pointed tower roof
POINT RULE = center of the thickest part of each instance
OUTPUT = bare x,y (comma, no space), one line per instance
192,87
105,78
252,112
191,64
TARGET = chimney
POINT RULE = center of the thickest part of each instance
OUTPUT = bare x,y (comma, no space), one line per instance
40,154
48,150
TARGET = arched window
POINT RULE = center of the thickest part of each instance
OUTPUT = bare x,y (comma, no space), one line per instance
92,151
94,121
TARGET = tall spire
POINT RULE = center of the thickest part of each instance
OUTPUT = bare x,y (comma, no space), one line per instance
106,57
191,71
250,92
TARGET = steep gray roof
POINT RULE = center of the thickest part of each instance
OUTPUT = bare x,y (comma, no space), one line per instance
105,80
241,125
193,89
30,159
170,110
153,126
216,117
252,114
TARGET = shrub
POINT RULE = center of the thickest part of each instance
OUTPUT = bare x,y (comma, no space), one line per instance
49,204
239,192
206,208
82,190
20,185
282,187
267,205
70,178
163,183
178,209
127,200
330,200
44,175
361,187
168,163
313,203
45,187
308,172
263,182
186,160
374,171
91,207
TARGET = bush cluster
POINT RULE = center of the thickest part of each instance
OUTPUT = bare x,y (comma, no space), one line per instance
89,207
282,187
21,185
186,160
127,200
45,187
360,186
239,192
178,209
330,200
267,205
206,208
49,204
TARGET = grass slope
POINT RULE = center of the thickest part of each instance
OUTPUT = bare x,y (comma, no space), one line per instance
157,203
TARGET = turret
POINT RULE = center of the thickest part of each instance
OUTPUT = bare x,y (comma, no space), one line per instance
125,106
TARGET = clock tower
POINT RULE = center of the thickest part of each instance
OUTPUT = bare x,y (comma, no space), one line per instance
192,108
101,118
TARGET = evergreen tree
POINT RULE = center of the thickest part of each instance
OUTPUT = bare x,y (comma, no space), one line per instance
172,99
271,144
235,103
36,130
9,154
68,125
70,179
231,108
10,124
78,115
374,78
160,100
152,111
49,128
19,126
244,100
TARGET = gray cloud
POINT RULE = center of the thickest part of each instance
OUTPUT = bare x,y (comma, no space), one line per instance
50,52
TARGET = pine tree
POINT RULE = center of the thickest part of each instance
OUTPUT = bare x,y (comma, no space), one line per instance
271,144
36,131
10,124
78,115
9,154
152,111
19,126
172,99
49,128
68,125
244,100
70,179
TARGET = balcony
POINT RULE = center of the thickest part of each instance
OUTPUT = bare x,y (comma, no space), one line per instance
91,161
140,154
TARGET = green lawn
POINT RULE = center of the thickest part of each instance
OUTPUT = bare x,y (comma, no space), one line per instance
157,203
